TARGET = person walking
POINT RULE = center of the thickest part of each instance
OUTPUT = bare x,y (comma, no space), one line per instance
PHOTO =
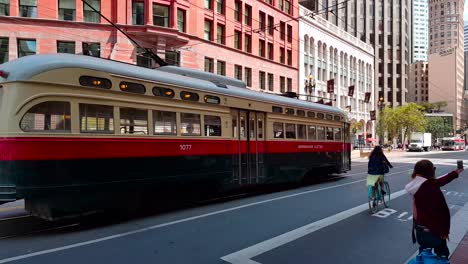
431,215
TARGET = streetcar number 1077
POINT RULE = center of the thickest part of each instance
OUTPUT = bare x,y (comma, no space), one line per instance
185,147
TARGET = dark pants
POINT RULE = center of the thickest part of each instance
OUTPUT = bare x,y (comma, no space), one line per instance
426,239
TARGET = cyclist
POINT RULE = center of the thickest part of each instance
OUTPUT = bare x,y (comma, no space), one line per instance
376,168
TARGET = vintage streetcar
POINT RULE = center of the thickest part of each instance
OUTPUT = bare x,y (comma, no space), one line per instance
80,134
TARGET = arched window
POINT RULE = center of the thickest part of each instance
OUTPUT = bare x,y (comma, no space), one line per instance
306,44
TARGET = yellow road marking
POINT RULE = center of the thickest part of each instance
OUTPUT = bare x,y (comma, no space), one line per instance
11,208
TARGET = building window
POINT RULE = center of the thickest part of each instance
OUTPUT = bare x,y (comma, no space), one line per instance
138,13
282,55
26,47
208,4
220,7
208,31
248,43
281,4
221,68
271,26
270,81
237,11
261,80
66,47
261,48
289,57
181,20
282,84
66,10
261,22
89,14
172,57
160,15
282,30
4,7
28,8
270,51
238,72
248,15
209,64
91,49
237,40
248,76
4,42
287,7
143,59
220,34
289,33
289,85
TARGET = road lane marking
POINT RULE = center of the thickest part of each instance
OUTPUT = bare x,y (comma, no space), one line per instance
48,251
245,255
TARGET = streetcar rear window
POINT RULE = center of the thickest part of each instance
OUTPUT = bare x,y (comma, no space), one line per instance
320,133
96,118
95,82
163,92
290,131
212,126
47,116
133,121
130,87
278,130
164,123
190,124
189,96
312,133
337,132
329,133
301,132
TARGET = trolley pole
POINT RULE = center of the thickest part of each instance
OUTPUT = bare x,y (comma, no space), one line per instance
381,105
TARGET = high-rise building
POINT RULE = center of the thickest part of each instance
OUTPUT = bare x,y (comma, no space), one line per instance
386,25
419,82
446,57
420,31
253,41
332,53
465,45
465,34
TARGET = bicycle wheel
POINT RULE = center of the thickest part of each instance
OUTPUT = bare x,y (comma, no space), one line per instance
386,197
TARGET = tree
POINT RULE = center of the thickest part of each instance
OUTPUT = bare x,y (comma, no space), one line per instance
439,105
356,127
437,127
427,107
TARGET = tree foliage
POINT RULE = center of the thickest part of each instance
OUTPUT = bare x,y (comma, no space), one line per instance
357,126
438,127
433,107
404,119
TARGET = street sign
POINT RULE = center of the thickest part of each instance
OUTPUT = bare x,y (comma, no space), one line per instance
331,86
372,115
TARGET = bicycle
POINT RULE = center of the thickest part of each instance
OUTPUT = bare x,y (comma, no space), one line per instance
374,193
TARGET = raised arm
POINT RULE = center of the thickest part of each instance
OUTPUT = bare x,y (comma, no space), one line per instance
447,178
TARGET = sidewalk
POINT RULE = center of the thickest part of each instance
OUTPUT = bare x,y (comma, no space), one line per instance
355,154
458,243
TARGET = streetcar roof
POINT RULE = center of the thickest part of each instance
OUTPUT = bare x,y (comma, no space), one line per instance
25,68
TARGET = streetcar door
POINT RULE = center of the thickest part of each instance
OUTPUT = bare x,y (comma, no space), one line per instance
248,162
346,149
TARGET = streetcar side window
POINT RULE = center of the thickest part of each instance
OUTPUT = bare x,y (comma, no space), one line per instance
212,126
278,130
320,133
290,131
47,116
164,123
337,132
96,118
329,133
312,133
301,132
133,121
190,124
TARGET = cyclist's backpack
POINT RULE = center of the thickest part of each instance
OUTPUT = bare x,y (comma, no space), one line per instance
426,257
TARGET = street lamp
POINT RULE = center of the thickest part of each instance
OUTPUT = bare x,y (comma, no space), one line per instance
381,105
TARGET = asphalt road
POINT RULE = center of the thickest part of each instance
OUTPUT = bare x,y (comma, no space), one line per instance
325,222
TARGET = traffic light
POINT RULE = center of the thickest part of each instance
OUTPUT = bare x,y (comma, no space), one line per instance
372,115
351,91
331,86
367,97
